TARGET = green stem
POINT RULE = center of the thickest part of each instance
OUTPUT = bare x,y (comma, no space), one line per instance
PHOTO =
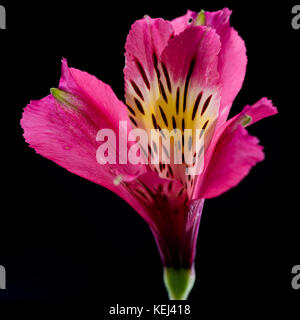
179,282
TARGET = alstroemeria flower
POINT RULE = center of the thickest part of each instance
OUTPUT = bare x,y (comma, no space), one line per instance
180,74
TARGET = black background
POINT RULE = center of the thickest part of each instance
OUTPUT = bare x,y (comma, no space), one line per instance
66,239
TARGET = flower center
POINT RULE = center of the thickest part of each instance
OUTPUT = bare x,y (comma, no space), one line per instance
179,106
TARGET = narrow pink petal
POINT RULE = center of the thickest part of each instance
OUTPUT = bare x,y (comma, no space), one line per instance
146,37
145,42
261,109
235,153
96,92
232,59
67,135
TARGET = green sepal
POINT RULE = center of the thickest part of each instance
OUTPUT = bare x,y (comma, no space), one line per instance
200,19
246,119
64,97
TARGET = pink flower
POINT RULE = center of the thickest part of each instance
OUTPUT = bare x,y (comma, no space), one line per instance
182,74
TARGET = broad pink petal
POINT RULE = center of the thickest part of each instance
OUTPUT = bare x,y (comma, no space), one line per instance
195,50
67,135
261,109
232,59
235,153
98,94
190,87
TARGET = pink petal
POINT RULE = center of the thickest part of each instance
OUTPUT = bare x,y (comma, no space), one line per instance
146,36
232,59
145,42
190,80
235,153
67,135
197,47
97,93
173,220
235,166
181,23
261,109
